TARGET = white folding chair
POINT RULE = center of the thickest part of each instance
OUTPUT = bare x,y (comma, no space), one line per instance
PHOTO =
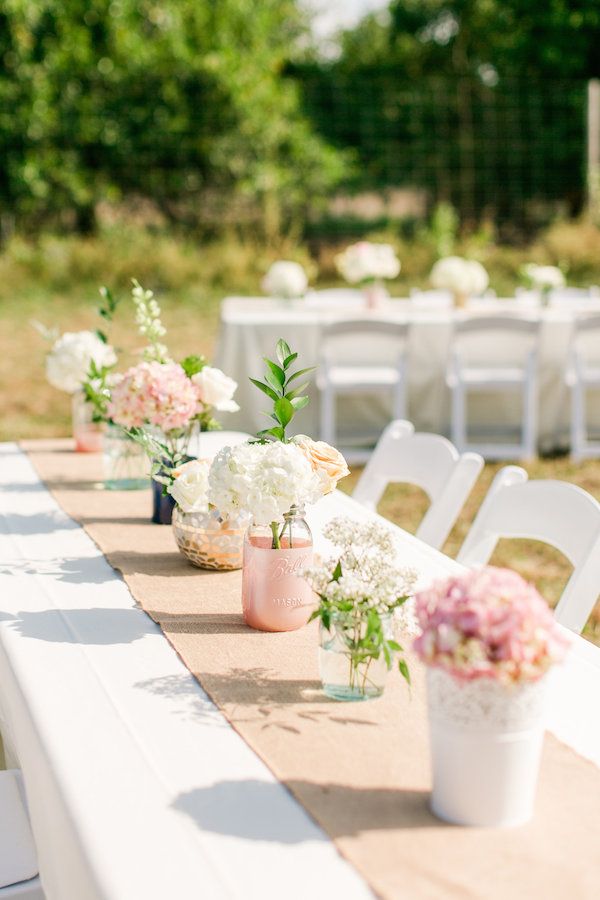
556,512
18,859
429,461
361,357
494,354
583,375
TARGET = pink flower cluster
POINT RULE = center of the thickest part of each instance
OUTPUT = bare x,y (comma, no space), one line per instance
154,393
488,623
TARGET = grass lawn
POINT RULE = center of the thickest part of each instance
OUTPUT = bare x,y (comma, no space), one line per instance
29,407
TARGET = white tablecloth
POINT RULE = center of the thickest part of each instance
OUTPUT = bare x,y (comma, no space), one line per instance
124,756
251,326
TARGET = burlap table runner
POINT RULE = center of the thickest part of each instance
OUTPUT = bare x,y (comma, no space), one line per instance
361,770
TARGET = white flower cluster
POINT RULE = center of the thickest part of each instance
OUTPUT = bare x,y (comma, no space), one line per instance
265,480
460,276
215,389
147,317
370,575
544,278
68,362
365,261
190,487
285,279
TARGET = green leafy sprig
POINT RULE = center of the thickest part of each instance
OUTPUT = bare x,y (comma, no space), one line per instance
106,310
287,400
164,458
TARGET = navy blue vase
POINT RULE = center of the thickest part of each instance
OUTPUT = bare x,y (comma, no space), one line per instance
162,505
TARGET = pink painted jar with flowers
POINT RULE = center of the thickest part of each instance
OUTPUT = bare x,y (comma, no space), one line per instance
488,639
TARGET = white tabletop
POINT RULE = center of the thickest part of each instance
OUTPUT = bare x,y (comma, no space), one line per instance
123,754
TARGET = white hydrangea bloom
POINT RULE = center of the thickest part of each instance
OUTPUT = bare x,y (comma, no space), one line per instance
285,279
265,480
460,276
366,261
68,362
545,278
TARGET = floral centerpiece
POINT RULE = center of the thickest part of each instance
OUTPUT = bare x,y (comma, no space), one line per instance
487,638
161,398
360,591
285,279
463,278
272,479
543,279
369,264
203,535
67,366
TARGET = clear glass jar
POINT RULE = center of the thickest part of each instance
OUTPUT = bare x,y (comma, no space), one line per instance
126,466
86,432
345,671
208,540
275,596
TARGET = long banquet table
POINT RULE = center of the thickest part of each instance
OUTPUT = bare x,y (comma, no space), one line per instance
123,754
251,326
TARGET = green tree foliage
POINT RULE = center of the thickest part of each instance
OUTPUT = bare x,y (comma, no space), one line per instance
183,101
479,102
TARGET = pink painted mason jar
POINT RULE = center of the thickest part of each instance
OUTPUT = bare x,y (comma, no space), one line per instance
275,596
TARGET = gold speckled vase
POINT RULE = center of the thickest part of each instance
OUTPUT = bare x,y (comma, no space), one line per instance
209,541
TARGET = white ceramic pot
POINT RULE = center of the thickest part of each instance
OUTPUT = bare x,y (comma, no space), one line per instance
486,742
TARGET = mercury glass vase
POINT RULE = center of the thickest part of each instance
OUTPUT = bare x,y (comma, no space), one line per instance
126,466
208,540
86,432
346,673
275,596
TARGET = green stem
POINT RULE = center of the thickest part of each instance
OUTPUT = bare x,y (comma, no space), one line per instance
275,532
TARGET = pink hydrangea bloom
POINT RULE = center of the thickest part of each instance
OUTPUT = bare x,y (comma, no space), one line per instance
488,623
154,393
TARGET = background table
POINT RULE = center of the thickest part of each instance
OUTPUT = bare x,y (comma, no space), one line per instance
251,326
123,753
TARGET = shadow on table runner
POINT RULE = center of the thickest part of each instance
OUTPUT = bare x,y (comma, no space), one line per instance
361,770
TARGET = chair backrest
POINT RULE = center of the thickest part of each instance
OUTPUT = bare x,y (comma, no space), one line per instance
364,342
585,345
489,340
429,461
556,512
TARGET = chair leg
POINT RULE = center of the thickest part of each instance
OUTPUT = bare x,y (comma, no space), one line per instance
328,415
399,400
529,425
578,423
458,424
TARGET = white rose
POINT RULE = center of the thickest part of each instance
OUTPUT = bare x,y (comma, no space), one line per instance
545,277
460,276
215,389
366,261
190,488
285,279
68,362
